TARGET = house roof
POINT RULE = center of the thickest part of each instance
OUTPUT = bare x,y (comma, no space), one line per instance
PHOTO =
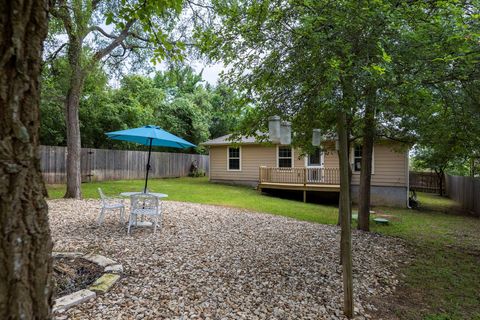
258,139
227,140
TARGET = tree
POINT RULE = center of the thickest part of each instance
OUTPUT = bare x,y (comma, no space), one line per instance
137,26
227,105
25,275
263,41
175,99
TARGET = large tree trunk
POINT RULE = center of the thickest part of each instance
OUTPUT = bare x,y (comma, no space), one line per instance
440,174
25,244
366,163
72,104
345,212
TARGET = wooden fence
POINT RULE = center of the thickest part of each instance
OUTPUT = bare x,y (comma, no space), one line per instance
466,191
425,182
103,164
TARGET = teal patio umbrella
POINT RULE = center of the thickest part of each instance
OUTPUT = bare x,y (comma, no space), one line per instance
150,136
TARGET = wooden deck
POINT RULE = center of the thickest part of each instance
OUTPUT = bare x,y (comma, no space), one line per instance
303,179
306,187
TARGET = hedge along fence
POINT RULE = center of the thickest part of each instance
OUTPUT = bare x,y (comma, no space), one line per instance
103,164
466,191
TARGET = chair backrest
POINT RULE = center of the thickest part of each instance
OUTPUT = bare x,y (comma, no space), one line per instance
144,201
102,195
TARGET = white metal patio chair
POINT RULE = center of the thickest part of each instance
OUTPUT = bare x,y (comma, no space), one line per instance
109,203
144,204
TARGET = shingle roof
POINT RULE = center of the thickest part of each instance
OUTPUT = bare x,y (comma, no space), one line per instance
227,140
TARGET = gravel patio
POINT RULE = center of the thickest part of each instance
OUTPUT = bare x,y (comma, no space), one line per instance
211,262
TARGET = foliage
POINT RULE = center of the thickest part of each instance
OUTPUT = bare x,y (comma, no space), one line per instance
399,51
176,100
449,136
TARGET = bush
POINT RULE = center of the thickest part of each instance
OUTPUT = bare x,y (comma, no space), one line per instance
197,173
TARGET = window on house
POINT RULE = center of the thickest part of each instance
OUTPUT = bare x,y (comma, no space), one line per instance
284,157
315,158
233,158
357,158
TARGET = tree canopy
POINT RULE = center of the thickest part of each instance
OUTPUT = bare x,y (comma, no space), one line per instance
177,100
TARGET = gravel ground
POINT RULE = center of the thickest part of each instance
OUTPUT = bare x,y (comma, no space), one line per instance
211,262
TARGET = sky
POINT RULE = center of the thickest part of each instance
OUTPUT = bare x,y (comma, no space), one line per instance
210,72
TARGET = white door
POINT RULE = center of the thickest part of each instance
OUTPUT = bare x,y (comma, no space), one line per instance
314,164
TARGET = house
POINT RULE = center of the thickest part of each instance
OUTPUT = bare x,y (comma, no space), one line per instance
269,166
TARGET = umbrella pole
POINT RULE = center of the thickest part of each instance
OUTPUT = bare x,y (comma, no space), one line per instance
148,166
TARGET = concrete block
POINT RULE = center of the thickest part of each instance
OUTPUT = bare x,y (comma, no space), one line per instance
67,254
114,268
65,302
99,259
104,283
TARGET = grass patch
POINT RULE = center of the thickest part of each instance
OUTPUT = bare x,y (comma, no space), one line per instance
443,282
199,190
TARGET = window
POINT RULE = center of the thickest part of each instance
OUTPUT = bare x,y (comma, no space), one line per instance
357,158
284,157
233,158
315,158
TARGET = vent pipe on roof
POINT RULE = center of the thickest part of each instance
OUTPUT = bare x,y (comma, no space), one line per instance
316,137
285,133
274,129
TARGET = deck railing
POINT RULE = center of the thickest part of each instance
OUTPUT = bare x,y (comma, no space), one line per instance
299,175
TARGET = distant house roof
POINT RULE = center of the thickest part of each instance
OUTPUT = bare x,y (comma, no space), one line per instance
227,140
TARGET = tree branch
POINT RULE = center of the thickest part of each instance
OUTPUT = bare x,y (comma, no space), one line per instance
115,43
103,32
53,56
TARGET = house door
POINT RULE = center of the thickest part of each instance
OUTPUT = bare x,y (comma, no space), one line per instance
315,165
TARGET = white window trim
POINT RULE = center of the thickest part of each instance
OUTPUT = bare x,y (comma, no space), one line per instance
352,155
293,156
240,158
322,161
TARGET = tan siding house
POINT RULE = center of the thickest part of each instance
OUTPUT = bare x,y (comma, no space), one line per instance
268,166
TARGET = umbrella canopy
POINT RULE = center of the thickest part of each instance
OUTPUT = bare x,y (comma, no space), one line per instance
150,136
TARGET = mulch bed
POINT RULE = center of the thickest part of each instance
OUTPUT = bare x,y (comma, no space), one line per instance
73,274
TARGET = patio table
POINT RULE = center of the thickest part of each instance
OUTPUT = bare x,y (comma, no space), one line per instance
155,194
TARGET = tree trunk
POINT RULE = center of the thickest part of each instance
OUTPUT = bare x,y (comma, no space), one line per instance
25,244
366,163
440,175
72,104
345,212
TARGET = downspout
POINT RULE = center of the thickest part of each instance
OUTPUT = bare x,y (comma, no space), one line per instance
209,161
407,165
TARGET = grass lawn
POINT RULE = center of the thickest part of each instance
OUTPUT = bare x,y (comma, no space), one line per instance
443,282
199,190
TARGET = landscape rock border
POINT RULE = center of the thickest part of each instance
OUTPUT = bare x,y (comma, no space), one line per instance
112,271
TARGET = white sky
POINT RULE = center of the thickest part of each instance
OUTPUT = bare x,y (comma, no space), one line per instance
210,73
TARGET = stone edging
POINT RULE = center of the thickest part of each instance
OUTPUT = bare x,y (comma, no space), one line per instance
111,274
